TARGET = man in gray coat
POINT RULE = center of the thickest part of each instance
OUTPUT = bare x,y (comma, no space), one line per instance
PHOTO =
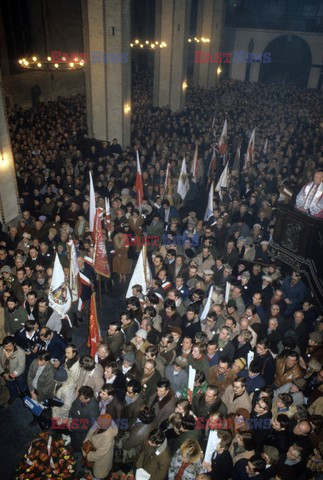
163,402
178,376
41,382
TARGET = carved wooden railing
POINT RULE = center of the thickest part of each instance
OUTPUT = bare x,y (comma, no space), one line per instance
298,242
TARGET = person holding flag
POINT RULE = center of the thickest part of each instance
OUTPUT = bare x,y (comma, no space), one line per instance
86,284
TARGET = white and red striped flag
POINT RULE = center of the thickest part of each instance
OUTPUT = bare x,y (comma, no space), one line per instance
107,214
92,203
223,143
100,258
139,185
195,164
250,151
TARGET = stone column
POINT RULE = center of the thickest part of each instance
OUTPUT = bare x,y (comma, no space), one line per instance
118,75
172,22
9,207
209,25
108,80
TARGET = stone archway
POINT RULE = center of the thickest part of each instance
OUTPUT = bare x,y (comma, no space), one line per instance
291,60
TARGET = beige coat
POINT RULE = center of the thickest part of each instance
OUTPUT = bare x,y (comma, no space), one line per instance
104,450
93,379
241,402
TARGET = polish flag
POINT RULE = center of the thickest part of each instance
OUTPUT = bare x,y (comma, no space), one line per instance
92,203
107,214
195,164
223,143
250,151
139,185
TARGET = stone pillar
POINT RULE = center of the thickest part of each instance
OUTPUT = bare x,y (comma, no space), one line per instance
172,22
108,80
9,207
118,75
209,25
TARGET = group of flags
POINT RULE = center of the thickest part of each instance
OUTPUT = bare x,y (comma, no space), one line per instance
62,292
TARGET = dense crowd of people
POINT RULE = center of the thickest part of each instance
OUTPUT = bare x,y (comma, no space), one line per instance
256,406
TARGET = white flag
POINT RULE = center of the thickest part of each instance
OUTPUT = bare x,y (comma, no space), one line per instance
223,142
92,204
74,270
191,381
265,146
250,150
59,295
142,273
208,304
227,292
224,179
183,182
209,208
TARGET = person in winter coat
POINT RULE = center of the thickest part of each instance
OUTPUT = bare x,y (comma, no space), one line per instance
98,446
14,316
163,402
236,396
91,374
138,435
65,392
186,464
84,408
155,456
12,367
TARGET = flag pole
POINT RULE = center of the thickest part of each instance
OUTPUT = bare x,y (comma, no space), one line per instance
100,290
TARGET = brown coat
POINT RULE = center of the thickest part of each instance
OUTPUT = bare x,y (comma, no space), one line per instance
283,377
156,465
120,261
104,449
222,384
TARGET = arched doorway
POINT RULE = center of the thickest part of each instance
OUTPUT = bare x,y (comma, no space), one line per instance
291,60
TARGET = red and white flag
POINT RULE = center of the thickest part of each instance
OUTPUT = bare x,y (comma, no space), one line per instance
195,164
250,151
167,179
139,185
100,258
94,329
92,203
212,165
223,143
107,214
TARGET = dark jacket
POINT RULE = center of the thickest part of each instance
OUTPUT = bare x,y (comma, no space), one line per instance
82,417
189,329
222,466
129,331
115,343
149,387
268,367
56,347
201,409
132,410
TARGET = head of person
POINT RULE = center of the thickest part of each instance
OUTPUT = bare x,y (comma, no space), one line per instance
87,363
163,388
85,394
156,438
256,465
190,451
239,386
211,394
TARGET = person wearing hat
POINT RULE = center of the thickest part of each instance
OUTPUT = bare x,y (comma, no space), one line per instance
271,456
64,391
231,310
314,349
98,446
177,375
140,343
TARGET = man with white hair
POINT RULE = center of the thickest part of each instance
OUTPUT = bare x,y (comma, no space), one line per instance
310,198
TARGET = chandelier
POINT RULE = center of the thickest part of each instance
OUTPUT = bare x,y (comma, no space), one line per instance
198,40
148,45
37,63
